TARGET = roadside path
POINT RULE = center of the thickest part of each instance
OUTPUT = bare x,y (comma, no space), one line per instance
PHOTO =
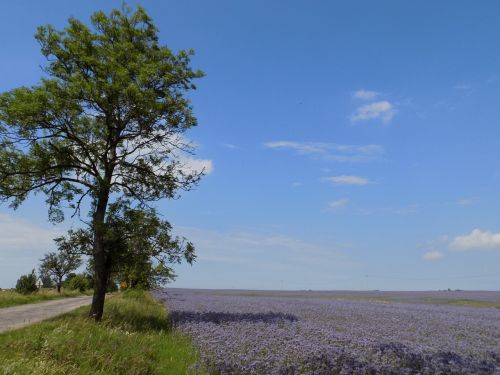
23,315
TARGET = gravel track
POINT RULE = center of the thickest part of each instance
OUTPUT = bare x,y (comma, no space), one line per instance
23,315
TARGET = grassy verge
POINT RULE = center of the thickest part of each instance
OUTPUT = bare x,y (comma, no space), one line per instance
133,338
367,298
12,298
468,303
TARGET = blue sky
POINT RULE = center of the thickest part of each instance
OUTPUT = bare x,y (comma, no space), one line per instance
351,145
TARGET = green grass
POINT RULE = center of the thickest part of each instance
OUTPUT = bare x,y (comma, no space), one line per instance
468,303
368,298
12,298
133,338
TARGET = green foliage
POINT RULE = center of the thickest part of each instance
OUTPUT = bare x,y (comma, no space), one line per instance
133,338
107,117
140,248
69,277
105,123
111,285
12,298
46,281
27,283
78,282
60,264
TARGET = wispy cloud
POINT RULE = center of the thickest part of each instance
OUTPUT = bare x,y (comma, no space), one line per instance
476,240
192,165
365,94
347,180
410,209
330,151
22,244
177,148
252,248
382,110
436,248
337,204
299,147
466,201
462,86
433,255
18,234
297,184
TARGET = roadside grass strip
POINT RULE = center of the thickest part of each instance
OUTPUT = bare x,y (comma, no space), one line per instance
135,337
10,298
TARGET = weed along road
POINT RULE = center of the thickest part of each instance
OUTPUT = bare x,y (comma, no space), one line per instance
23,315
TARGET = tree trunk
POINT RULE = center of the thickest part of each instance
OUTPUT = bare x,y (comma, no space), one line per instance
100,282
99,255
59,286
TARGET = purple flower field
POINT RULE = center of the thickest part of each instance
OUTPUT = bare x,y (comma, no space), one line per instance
321,333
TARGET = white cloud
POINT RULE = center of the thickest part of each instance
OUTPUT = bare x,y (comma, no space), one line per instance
382,110
436,244
337,205
22,244
177,147
466,201
330,151
300,147
365,94
297,184
347,180
264,260
191,165
258,248
18,234
476,240
433,255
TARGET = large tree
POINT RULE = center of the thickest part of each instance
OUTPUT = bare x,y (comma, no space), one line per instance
104,123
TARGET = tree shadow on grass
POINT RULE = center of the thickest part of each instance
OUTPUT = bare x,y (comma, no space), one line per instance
139,322
180,317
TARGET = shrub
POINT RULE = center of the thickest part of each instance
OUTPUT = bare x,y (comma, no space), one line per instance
27,283
78,282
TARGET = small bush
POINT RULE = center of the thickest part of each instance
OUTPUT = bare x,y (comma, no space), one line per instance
78,282
27,284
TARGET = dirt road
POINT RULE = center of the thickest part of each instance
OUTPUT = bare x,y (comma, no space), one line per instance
23,315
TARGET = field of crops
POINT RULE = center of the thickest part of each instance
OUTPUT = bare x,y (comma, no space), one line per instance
244,332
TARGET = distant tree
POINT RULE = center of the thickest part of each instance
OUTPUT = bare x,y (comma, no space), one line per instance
46,281
27,283
139,247
106,122
78,282
59,264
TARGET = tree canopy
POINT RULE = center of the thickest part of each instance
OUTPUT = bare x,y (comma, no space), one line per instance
59,264
105,123
139,247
